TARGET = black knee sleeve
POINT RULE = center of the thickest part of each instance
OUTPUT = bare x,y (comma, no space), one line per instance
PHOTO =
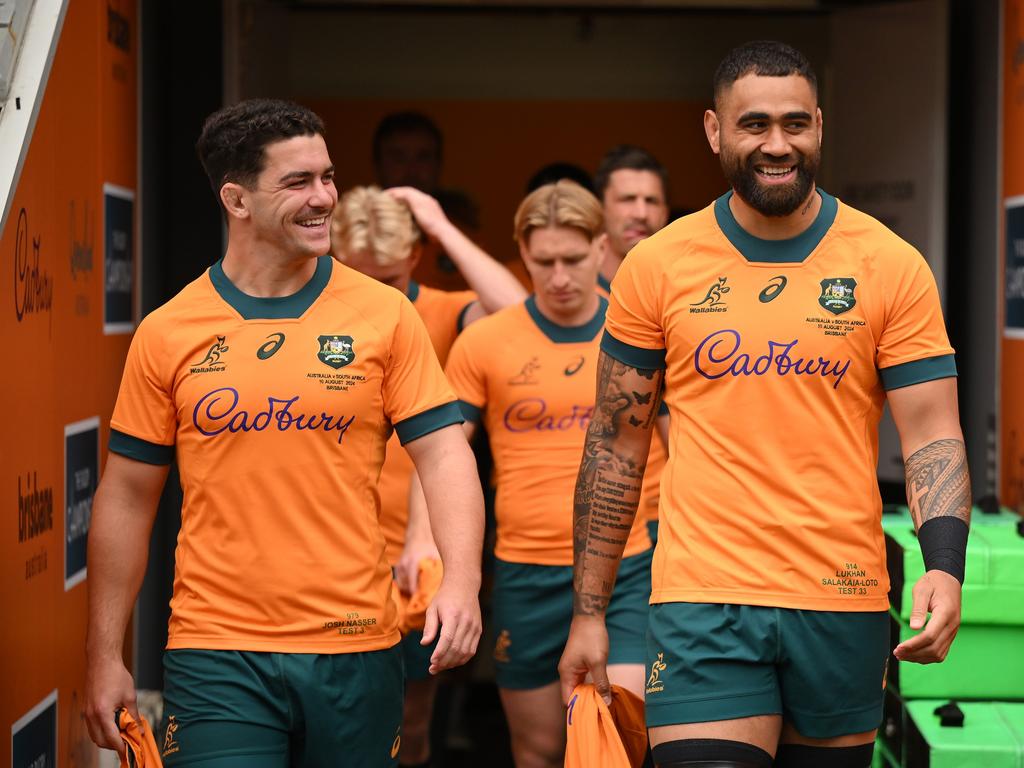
710,753
804,756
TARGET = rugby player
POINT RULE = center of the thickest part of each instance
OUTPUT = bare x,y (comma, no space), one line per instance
633,188
778,321
275,379
378,233
526,374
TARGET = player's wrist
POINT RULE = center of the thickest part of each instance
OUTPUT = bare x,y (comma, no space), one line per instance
943,542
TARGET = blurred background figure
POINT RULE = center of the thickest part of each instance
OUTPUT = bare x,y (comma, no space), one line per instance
379,234
408,151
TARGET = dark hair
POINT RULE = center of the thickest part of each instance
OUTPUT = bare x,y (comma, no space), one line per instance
766,58
405,122
232,143
627,157
553,172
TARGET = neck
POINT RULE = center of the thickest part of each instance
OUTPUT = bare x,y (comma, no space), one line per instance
610,264
580,316
263,276
775,227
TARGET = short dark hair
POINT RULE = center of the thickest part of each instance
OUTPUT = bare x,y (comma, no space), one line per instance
627,157
405,122
553,172
232,143
765,58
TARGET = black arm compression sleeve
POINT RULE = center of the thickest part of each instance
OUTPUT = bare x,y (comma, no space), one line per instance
943,543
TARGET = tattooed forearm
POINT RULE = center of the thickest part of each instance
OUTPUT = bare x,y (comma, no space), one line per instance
610,477
938,482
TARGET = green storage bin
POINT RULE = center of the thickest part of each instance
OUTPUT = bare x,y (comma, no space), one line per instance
985,662
992,736
993,591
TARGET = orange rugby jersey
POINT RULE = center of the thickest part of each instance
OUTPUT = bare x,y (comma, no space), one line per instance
777,356
533,383
650,491
279,411
442,312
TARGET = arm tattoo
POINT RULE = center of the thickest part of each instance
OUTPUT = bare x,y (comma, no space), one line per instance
938,483
610,476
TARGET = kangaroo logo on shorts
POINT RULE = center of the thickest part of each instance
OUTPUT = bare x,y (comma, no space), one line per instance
501,647
336,351
654,683
170,743
837,294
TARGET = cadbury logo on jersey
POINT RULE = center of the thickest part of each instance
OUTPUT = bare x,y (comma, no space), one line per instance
719,355
532,413
218,412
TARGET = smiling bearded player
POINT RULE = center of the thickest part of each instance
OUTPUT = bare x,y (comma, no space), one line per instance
777,321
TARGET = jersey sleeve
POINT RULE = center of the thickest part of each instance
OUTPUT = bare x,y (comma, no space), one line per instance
913,346
417,398
144,424
467,377
461,301
633,327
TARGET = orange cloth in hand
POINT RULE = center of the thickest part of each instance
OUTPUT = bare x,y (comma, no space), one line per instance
599,736
139,747
412,609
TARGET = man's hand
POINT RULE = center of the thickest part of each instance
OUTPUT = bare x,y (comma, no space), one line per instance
407,569
425,209
937,593
586,652
455,615
108,687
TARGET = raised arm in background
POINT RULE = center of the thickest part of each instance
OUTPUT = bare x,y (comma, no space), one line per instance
495,286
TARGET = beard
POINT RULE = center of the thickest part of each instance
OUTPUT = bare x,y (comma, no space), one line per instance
775,201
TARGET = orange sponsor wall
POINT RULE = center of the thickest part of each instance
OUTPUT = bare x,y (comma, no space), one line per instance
68,292
1012,368
492,148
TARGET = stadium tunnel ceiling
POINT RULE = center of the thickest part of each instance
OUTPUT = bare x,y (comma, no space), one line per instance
623,5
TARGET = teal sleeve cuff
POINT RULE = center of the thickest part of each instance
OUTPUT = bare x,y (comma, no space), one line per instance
431,420
460,323
918,371
637,357
139,449
470,412
663,409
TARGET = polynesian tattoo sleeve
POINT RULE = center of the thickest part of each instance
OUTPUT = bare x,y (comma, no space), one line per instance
611,473
938,483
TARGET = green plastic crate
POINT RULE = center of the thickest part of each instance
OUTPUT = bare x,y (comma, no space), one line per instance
985,662
992,736
993,591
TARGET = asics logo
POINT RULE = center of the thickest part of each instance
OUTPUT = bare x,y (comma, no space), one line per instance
773,289
268,348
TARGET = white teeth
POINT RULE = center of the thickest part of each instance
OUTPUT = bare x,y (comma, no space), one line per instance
775,171
313,222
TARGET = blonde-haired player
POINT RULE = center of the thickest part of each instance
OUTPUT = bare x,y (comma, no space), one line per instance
527,374
378,233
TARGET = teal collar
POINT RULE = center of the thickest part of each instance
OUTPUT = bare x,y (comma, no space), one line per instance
413,291
793,250
568,334
275,307
603,282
